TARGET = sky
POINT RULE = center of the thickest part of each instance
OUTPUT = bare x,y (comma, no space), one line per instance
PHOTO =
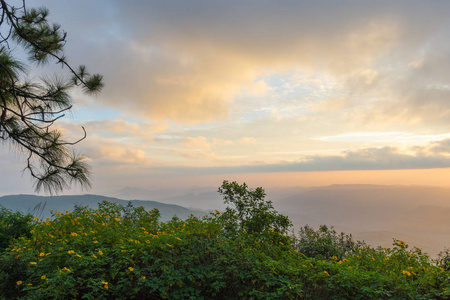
273,93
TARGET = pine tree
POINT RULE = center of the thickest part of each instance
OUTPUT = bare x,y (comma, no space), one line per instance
30,108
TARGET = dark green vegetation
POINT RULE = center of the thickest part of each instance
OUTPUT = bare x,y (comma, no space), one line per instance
29,108
124,252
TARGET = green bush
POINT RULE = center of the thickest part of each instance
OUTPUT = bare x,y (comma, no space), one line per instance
13,225
443,259
325,243
100,253
117,252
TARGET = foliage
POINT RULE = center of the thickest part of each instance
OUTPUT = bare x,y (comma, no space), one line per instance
325,243
13,225
444,259
30,108
117,252
251,212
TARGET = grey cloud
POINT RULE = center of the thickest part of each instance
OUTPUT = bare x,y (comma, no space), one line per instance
384,158
186,60
441,147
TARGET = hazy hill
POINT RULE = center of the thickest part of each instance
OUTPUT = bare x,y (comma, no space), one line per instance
205,198
40,206
418,214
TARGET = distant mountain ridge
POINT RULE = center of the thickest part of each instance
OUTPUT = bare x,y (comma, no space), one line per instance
40,206
193,197
376,213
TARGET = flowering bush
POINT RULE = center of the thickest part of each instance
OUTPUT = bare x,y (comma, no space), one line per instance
117,252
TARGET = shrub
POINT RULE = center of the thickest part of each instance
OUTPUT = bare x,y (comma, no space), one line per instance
443,259
13,225
117,252
101,253
325,243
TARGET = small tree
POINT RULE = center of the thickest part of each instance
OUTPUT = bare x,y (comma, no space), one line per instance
30,108
251,212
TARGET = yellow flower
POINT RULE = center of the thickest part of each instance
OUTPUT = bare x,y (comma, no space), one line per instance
334,258
217,212
32,263
74,234
117,219
169,245
43,277
179,239
143,277
105,286
93,255
77,255
406,273
71,252
131,269
123,251
400,243
42,254
326,273
19,282
104,282
65,269
281,243
100,252
95,242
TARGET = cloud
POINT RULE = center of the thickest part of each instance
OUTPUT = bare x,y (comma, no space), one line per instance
441,147
387,137
283,85
119,154
189,61
247,140
432,155
199,143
